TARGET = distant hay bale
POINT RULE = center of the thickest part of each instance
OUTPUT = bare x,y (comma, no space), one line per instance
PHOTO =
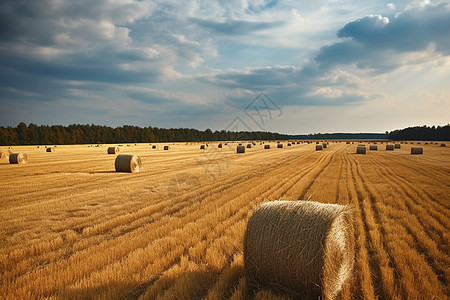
128,163
361,150
220,145
389,147
319,147
373,147
348,143
18,158
443,145
289,144
50,149
240,149
416,150
317,143
202,146
249,145
280,145
154,147
324,145
302,248
166,147
397,146
363,145
113,150
266,146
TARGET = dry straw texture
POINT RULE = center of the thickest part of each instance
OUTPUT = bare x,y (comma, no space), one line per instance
416,150
373,147
113,150
389,147
266,146
361,150
128,163
18,158
305,249
240,149
318,147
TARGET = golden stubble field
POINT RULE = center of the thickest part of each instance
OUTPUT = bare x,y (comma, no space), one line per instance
73,228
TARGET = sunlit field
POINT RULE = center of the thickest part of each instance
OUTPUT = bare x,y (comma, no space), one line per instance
73,228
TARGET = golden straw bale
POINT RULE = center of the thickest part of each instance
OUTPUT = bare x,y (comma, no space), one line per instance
302,248
113,150
319,147
18,158
416,150
128,163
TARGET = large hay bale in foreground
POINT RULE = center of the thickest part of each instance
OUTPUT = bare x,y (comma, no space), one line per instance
361,150
373,147
302,248
128,163
389,147
18,158
240,149
113,150
318,147
397,146
266,146
416,150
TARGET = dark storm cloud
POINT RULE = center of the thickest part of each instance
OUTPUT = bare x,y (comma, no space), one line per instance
373,41
235,27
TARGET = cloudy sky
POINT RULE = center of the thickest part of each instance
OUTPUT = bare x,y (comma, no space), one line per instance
323,66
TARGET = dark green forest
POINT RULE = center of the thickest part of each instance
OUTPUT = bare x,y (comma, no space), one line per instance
421,133
96,134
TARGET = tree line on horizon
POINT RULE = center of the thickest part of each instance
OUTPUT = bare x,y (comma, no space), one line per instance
97,134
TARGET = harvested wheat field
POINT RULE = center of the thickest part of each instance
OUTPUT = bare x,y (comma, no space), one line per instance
73,228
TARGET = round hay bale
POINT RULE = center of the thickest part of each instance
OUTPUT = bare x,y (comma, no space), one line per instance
128,163
249,145
202,146
240,149
280,145
266,146
443,145
348,143
220,145
166,147
154,147
113,150
324,145
319,147
397,146
416,150
361,150
50,149
18,158
302,248
389,147
289,144
373,147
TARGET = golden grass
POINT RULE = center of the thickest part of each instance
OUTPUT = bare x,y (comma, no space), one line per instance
71,227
